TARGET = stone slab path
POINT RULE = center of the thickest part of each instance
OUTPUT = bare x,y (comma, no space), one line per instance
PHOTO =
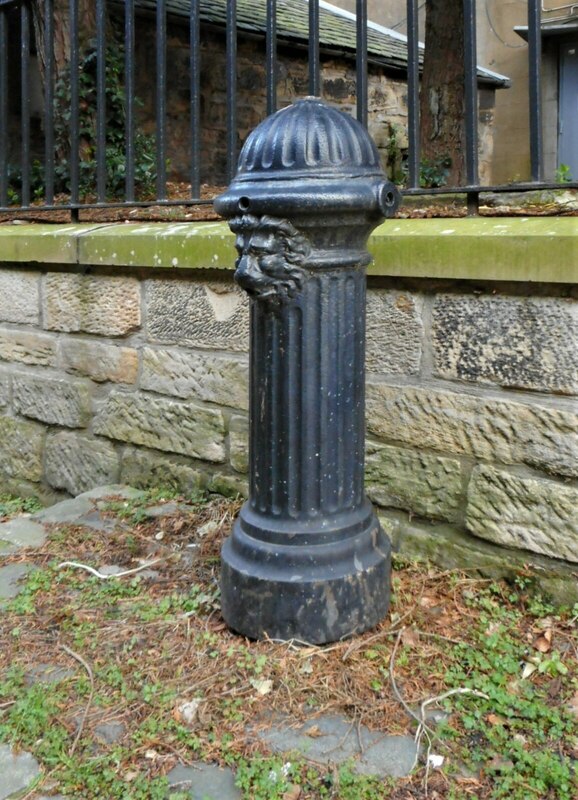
329,739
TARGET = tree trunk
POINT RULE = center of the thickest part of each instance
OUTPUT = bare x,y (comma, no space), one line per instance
86,32
442,103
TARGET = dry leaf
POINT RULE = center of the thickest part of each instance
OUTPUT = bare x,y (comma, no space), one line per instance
573,705
495,719
293,792
529,669
544,642
314,731
410,637
262,687
188,712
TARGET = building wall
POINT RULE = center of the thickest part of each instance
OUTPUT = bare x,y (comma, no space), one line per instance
140,376
387,99
502,50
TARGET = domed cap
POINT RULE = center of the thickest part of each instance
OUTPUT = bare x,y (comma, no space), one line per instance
308,138
309,158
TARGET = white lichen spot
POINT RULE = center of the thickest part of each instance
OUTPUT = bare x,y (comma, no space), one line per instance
175,262
448,231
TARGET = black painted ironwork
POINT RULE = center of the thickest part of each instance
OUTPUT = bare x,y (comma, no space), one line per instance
62,105
307,558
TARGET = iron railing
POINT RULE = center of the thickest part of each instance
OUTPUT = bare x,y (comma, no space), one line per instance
29,179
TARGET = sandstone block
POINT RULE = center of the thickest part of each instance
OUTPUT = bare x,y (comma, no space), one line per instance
536,515
19,296
228,485
100,361
163,424
79,463
528,343
491,430
394,332
4,388
20,449
211,315
144,469
205,376
426,485
52,400
27,347
239,444
109,306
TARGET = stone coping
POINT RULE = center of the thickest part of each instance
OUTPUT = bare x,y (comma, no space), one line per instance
543,249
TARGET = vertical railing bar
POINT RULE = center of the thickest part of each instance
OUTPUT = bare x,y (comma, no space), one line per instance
413,119
49,101
271,56
3,108
101,101
129,83
195,46
25,101
471,92
231,88
161,99
74,110
314,64
361,61
535,87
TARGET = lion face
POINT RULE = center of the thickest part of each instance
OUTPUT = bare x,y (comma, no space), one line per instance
271,253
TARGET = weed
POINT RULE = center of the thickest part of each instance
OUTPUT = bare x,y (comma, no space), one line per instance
11,505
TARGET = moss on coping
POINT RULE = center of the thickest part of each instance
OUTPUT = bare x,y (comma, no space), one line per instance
541,249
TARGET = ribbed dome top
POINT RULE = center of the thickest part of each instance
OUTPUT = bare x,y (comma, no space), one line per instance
308,138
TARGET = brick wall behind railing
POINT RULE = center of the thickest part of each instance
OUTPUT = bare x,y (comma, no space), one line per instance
472,403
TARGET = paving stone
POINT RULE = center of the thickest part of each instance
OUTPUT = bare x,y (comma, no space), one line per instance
68,511
109,732
79,463
23,532
204,782
7,549
211,315
10,575
97,522
109,306
340,739
162,423
163,510
112,490
17,771
46,674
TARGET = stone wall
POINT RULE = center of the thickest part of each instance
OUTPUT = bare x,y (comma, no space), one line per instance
387,99
472,402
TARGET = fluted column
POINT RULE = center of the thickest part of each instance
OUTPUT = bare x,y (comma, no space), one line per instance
306,558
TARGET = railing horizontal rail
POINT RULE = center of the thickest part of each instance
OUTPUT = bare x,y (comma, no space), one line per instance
110,132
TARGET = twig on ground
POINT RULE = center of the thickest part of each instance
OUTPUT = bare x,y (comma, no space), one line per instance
115,575
86,666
